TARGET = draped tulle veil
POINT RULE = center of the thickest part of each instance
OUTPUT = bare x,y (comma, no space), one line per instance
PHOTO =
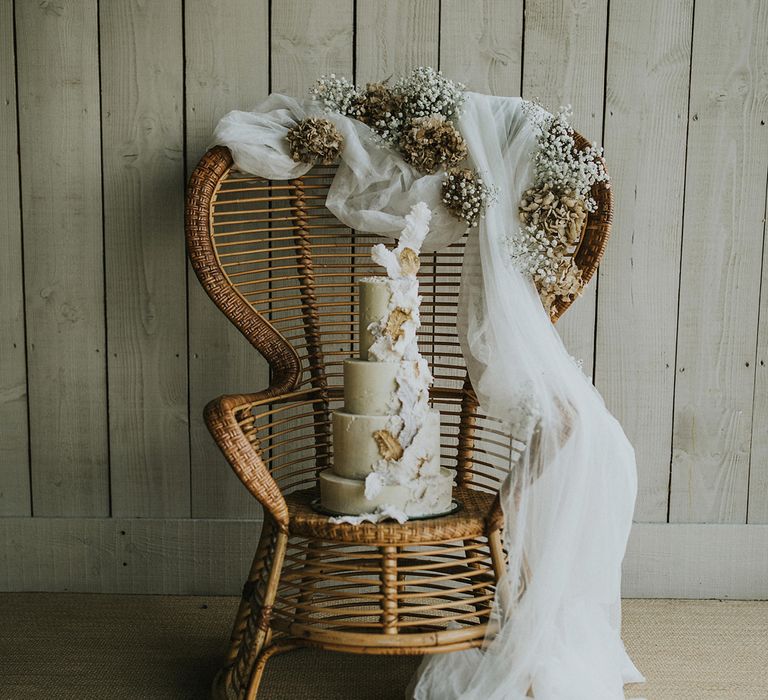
568,501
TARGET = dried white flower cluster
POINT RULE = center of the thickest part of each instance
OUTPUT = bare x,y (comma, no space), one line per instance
428,92
390,109
466,195
558,163
553,212
337,95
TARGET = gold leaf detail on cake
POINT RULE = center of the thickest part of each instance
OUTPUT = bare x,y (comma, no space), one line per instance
388,444
409,261
395,323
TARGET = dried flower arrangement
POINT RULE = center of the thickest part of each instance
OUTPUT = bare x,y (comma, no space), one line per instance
415,115
553,212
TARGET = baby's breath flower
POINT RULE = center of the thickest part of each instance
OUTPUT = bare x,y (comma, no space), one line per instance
427,92
337,95
466,195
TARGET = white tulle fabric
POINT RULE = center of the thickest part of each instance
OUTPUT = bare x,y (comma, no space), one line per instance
568,501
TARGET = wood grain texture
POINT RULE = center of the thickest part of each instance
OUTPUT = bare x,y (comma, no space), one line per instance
221,75
757,511
564,63
14,437
310,38
646,118
142,118
494,31
721,260
207,557
394,37
58,74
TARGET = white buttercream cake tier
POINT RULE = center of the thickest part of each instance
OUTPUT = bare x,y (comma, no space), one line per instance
355,450
347,496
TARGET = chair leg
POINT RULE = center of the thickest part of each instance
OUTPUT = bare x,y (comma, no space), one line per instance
252,633
258,669
256,577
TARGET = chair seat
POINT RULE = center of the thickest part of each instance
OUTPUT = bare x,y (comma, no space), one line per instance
467,522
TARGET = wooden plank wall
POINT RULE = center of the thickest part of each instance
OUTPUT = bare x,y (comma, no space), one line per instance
109,348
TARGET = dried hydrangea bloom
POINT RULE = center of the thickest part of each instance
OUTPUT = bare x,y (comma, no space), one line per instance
381,108
549,263
559,214
431,142
316,141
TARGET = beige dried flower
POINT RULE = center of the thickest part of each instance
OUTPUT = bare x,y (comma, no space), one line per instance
316,141
431,142
561,215
380,107
389,446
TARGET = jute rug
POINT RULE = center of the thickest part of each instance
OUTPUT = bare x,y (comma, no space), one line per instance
70,646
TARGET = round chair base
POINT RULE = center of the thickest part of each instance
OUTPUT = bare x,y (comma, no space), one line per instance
468,521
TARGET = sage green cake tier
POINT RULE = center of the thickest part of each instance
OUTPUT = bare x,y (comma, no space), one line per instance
370,387
374,300
355,450
347,496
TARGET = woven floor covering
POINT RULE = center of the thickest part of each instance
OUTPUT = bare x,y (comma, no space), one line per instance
129,647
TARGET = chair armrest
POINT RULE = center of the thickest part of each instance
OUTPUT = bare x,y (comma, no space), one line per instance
223,416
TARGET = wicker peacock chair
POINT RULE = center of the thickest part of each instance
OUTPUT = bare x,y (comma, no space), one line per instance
283,270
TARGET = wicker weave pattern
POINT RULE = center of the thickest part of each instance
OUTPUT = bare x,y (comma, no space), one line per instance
284,271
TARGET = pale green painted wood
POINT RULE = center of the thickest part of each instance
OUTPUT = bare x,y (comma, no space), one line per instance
395,36
564,63
721,261
142,132
227,49
758,473
649,52
493,29
58,74
14,444
310,38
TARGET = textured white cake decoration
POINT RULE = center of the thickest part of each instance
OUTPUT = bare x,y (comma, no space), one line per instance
406,444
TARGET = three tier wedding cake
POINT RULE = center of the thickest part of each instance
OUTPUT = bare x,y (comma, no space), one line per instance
386,440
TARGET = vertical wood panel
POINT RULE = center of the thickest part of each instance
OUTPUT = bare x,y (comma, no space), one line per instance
721,259
648,63
227,48
481,44
564,63
758,472
395,36
14,452
58,74
310,38
142,127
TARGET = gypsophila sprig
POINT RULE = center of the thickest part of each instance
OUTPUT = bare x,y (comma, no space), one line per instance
337,95
546,261
427,92
466,195
557,162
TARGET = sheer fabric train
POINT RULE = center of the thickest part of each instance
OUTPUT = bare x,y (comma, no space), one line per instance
568,502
